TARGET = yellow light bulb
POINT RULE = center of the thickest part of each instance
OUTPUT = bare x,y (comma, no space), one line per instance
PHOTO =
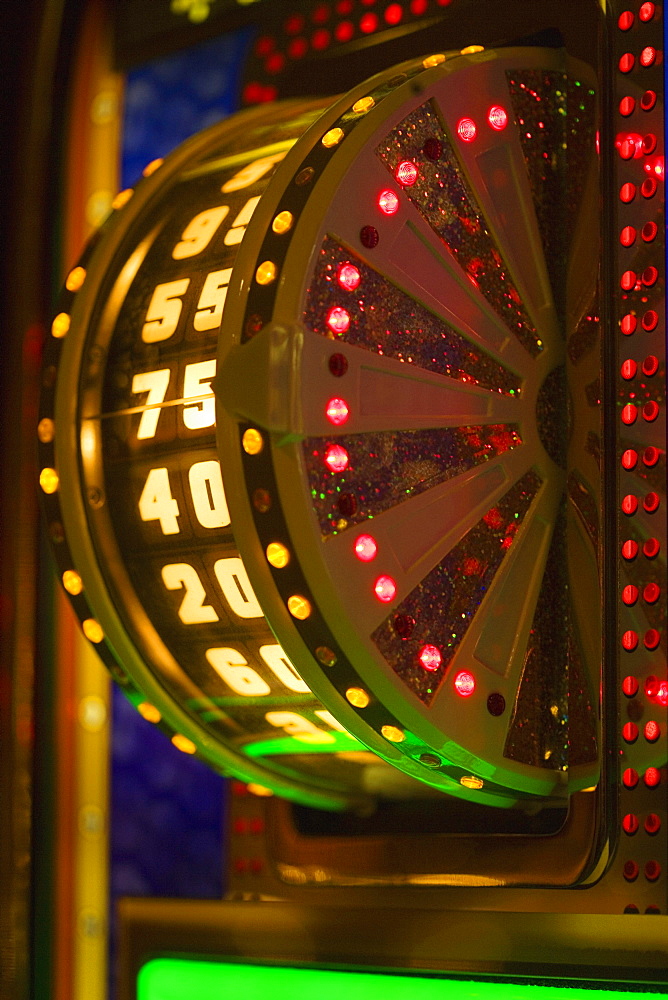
299,607
363,105
92,630
252,441
277,555
149,712
60,326
183,744
266,273
358,697
434,60
122,198
72,582
75,279
46,430
470,781
333,137
151,167
472,49
48,480
393,734
259,790
283,222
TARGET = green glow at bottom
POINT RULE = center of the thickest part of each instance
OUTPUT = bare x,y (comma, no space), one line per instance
340,742
185,979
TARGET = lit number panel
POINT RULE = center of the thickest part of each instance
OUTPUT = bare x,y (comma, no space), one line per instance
435,466
138,510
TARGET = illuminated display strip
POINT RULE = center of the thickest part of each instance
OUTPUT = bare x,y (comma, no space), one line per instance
301,34
640,285
183,979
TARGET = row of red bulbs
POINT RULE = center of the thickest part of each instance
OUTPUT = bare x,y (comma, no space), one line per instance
321,38
631,823
655,690
648,56
651,641
627,104
650,549
632,145
366,549
651,731
651,777
626,19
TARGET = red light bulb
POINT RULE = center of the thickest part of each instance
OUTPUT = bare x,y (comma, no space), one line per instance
348,277
388,202
652,731
394,13
497,117
368,23
337,411
430,657
385,589
406,173
464,684
336,458
366,548
338,320
466,129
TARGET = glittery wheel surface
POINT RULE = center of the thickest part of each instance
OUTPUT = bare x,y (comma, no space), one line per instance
447,601
388,468
444,199
390,322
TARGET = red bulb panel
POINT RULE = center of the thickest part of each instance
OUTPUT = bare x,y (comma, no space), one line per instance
388,202
385,589
466,129
337,411
464,684
406,173
497,117
366,548
430,657
336,458
348,277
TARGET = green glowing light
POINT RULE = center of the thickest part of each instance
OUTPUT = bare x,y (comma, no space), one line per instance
183,979
268,748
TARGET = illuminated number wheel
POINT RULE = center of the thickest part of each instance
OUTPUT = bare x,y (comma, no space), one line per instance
417,369
133,492
408,431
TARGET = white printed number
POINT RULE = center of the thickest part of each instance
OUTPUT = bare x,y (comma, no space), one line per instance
208,494
298,727
156,502
156,385
232,666
193,610
252,172
235,585
197,382
234,669
196,386
211,301
199,232
164,309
